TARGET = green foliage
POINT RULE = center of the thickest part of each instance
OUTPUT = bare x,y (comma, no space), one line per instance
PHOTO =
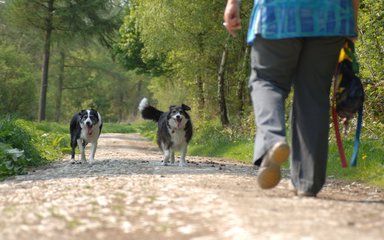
17,82
130,49
163,88
76,26
211,139
52,127
189,45
93,80
370,53
98,18
22,146
48,144
12,160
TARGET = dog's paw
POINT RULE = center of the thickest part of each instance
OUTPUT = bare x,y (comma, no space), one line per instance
73,161
181,164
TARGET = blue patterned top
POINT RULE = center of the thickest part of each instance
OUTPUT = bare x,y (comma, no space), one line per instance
277,19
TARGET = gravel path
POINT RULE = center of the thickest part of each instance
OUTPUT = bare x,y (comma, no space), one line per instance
127,194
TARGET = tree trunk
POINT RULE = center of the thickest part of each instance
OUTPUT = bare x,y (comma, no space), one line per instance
242,82
60,83
44,78
121,97
138,95
200,95
221,89
199,80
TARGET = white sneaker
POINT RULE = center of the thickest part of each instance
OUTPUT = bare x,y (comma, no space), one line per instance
269,173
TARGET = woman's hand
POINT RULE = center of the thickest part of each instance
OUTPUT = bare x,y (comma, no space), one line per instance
232,17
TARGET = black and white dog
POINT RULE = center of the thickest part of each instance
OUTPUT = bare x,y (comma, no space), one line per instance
174,129
85,127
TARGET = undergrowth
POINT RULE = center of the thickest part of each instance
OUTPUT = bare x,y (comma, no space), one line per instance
236,144
212,140
370,164
23,145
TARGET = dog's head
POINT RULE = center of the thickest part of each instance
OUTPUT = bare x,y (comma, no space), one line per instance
88,119
178,116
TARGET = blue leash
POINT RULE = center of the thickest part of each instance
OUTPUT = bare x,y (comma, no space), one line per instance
357,138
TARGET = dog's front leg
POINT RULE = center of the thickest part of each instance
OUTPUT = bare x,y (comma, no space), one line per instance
93,151
182,157
167,155
172,156
82,149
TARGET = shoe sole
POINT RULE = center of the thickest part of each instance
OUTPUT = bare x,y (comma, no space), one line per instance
270,175
279,153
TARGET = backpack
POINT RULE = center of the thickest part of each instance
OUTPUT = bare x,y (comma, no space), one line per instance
348,98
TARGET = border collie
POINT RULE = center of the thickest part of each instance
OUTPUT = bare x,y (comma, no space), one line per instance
85,127
174,129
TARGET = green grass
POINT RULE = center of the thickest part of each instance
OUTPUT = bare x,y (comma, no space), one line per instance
118,128
62,130
212,140
370,164
240,150
209,140
146,129
51,127
38,143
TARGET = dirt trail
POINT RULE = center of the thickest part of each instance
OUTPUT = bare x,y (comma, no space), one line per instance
128,194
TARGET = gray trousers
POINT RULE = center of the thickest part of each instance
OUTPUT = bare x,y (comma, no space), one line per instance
307,65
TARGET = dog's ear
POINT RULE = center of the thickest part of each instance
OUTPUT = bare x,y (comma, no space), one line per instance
83,112
185,107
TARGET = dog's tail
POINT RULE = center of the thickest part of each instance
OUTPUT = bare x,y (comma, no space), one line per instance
149,112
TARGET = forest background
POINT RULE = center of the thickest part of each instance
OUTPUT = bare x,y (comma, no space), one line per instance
60,56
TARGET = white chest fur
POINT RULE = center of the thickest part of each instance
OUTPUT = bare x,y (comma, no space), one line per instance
178,138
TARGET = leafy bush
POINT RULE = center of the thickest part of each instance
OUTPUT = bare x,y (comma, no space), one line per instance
12,160
23,145
16,149
55,134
